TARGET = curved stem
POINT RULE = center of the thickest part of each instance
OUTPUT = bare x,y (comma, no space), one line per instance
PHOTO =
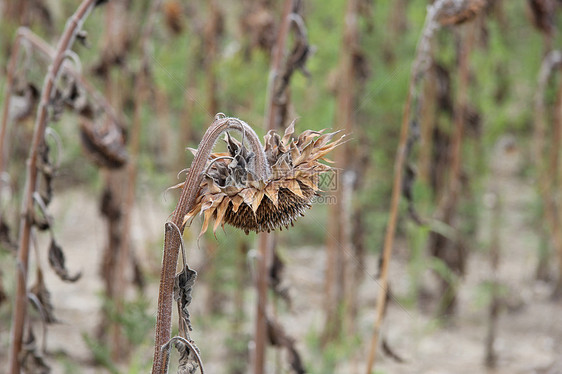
73,25
419,67
172,238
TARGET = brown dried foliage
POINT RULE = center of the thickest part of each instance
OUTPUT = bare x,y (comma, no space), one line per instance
231,193
258,23
32,361
278,337
173,13
543,14
43,298
458,12
57,261
105,146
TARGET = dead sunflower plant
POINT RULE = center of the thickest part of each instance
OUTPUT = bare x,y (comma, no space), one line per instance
232,191
251,186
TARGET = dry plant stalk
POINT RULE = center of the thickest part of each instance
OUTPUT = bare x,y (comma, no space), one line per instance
211,35
543,16
446,211
275,115
419,67
255,189
124,252
552,180
427,123
24,35
494,308
548,169
338,239
74,24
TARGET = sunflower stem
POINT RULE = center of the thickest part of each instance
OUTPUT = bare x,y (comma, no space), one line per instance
172,239
73,25
419,67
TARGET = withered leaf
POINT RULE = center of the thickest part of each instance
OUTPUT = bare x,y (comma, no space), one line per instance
390,352
57,260
106,148
407,191
31,360
173,12
183,285
139,279
276,278
41,223
43,297
109,206
188,362
47,170
23,104
5,238
82,38
3,296
543,14
76,99
279,338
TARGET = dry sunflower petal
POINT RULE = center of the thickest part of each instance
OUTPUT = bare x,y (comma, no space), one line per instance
231,192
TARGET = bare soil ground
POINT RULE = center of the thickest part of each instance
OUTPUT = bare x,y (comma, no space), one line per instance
529,331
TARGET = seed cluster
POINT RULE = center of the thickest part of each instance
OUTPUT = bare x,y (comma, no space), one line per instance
232,193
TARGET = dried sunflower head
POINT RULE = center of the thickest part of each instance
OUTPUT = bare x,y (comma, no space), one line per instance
232,192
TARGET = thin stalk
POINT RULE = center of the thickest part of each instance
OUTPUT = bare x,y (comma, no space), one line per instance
186,202
427,123
448,205
552,209
73,25
547,170
113,182
338,238
211,41
344,284
419,67
459,118
266,241
390,231
279,50
141,87
495,251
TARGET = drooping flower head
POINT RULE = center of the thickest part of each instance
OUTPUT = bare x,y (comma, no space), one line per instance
233,191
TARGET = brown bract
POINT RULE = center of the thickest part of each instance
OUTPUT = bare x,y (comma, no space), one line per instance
232,193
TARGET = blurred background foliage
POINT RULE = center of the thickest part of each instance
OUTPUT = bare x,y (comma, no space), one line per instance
505,65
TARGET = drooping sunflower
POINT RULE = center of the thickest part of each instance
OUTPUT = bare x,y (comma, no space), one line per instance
232,192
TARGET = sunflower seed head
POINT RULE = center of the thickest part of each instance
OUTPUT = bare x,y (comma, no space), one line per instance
232,193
